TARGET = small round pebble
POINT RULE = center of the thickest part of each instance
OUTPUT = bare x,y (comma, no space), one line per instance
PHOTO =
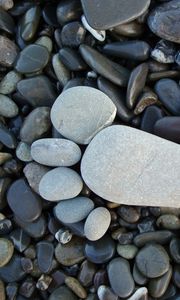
8,107
127,251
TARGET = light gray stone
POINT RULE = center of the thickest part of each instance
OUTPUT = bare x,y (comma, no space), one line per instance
46,42
141,293
97,223
73,210
60,184
23,152
62,73
55,152
9,81
8,108
129,166
80,112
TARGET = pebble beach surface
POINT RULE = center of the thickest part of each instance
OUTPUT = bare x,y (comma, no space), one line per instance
89,149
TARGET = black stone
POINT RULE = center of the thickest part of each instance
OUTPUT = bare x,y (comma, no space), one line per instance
168,128
174,248
12,271
34,229
49,14
72,59
68,10
151,115
176,276
29,23
20,239
73,34
45,251
7,138
4,184
77,81
6,22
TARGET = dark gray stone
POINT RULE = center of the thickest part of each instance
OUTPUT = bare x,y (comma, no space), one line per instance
8,51
45,252
12,271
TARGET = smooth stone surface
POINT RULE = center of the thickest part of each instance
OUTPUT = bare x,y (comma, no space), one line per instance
7,138
62,73
55,152
62,293
152,261
104,14
8,108
100,251
6,22
72,34
73,210
168,128
34,229
6,251
87,273
158,286
38,91
107,156
164,21
128,214
8,51
123,284
70,253
105,67
134,50
164,52
68,10
92,228
151,115
174,248
12,271
4,184
160,236
29,23
139,278
76,287
23,152
46,42
105,292
168,221
127,251
35,125
9,82
32,58
74,116
45,252
130,29
60,184
23,202
71,59
20,239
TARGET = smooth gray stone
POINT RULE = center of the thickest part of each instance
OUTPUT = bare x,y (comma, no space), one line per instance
45,252
23,152
9,82
12,271
123,284
35,125
104,292
160,236
71,59
73,210
164,21
68,10
34,229
152,180
62,293
158,286
139,278
127,251
80,112
55,152
8,107
104,66
140,294
46,42
6,22
104,14
61,71
60,184
29,23
8,51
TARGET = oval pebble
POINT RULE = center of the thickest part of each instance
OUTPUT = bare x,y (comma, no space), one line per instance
45,252
174,248
80,112
55,152
127,251
160,236
9,81
73,210
60,184
97,223
168,128
6,251
8,108
158,286
13,271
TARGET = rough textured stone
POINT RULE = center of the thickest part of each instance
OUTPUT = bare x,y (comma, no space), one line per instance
151,179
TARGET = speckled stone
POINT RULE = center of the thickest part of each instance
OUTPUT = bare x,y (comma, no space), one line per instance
8,51
8,107
80,112
23,152
6,251
116,150
9,81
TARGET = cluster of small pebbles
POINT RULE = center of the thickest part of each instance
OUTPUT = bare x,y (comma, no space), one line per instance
89,154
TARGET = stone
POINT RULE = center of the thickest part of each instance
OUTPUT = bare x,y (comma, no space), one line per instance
73,210
140,294
37,91
45,252
46,42
93,231
150,116
145,99
6,4
29,23
174,248
6,22
105,67
107,156
23,152
168,221
20,239
50,15
4,157
158,286
70,253
168,128
130,29
160,236
134,50
164,21
9,82
100,35
128,213
62,73
152,261
7,138
74,116
136,84
60,184
105,15
68,10
32,58
162,75
12,271
12,290
123,284
6,251
34,229
2,291
35,125
127,251
71,59
139,278
63,236
76,287
176,276
55,152
105,292
72,34
4,184
62,293
100,251
8,52
86,273
164,52
76,228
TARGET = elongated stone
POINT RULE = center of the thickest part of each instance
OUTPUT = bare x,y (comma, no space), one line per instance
8,51
9,82
135,165
158,286
29,23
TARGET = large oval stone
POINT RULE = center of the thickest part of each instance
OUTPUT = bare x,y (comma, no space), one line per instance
126,165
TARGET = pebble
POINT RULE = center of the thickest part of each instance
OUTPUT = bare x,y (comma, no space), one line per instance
23,202
134,50
163,75
55,152
46,42
6,4
45,252
145,99
168,221
6,251
34,229
105,67
8,52
100,251
11,290
152,261
49,14
23,152
73,34
104,159
168,128
123,284
2,291
164,21
68,10
60,184
71,59
105,15
127,251
13,271
4,157
62,293
76,228
70,253
87,273
139,278
6,22
100,35
4,184
151,115
160,236
77,120
176,276
9,82
128,214
76,287
20,239
164,52
140,294
32,58
37,91
136,84
158,286
174,248
73,210
63,236
105,292
34,173
29,23
62,73
130,29
92,230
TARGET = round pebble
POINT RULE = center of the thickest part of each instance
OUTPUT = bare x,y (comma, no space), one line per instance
8,108
127,251
6,251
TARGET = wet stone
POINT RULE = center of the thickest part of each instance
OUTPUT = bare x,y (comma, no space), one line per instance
68,10
6,22
62,293
73,34
20,239
12,271
168,128
6,251
160,236
34,229
9,81
8,51
29,23
45,251
174,248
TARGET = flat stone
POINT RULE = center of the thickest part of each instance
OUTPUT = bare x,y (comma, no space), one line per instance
20,239
164,21
55,152
12,271
23,202
152,261
9,82
34,229
73,210
23,152
60,184
158,286
160,236
168,128
8,51
116,150
6,251
45,252
6,22
93,231
105,15
75,117
62,293
123,284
